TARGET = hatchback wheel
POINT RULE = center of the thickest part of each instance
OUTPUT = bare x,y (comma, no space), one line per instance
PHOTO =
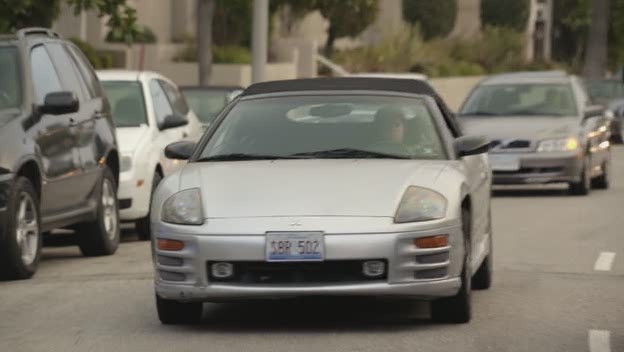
21,251
143,225
101,237
172,312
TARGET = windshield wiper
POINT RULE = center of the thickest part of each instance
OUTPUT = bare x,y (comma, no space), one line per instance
244,157
350,153
534,113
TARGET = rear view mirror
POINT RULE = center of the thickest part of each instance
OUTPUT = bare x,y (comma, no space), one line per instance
471,145
59,103
180,150
593,111
173,121
331,110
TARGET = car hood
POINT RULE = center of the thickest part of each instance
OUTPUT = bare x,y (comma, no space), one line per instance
307,187
129,138
521,127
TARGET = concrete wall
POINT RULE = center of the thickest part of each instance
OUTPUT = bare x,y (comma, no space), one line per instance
224,74
455,89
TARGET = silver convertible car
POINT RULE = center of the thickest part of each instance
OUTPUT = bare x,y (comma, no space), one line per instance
325,187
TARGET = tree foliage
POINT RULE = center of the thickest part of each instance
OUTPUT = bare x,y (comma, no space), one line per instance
505,13
435,18
16,14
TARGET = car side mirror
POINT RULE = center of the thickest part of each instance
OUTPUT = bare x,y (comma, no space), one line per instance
471,145
173,121
180,150
59,103
593,111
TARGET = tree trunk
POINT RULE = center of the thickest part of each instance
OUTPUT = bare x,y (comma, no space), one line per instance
468,19
596,49
329,45
205,13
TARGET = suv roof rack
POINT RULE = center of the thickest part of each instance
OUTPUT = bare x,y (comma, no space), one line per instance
22,33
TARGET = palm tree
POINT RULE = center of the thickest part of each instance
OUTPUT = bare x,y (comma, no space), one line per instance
205,13
596,50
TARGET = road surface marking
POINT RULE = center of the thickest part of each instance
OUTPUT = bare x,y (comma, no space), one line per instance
599,341
604,261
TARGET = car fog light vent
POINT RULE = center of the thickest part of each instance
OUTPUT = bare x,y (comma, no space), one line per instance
430,274
432,258
222,270
171,276
374,268
170,261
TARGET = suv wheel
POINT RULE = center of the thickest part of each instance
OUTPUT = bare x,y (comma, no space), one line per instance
583,187
21,251
174,312
101,237
143,225
457,309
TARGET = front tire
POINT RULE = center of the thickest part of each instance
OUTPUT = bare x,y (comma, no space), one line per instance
583,187
172,312
458,309
20,251
603,181
142,225
101,237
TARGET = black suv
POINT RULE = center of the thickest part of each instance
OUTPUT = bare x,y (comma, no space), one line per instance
59,164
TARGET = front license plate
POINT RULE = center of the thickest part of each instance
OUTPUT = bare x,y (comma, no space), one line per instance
294,246
504,162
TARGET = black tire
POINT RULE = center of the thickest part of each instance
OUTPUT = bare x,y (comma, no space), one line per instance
142,225
457,309
172,312
94,239
13,265
583,187
603,181
482,279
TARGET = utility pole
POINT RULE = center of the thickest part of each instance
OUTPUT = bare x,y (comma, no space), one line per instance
259,39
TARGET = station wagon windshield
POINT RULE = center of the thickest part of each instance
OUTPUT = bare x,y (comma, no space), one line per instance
10,88
521,100
127,103
326,127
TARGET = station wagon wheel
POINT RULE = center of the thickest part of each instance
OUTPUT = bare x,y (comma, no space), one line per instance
603,181
142,225
21,252
583,187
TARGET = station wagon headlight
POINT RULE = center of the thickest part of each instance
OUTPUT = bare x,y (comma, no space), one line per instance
558,145
420,204
183,208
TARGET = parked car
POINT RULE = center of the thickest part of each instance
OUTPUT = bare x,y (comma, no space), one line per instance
610,93
59,164
149,113
291,192
208,101
542,129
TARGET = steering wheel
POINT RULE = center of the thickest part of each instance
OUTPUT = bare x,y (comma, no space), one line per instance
391,147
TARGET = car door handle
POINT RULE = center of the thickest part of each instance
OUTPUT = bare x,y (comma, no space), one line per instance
184,134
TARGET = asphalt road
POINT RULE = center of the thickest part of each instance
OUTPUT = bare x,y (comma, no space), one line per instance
547,295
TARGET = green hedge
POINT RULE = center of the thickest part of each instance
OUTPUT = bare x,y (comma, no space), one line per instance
505,13
227,54
145,35
436,18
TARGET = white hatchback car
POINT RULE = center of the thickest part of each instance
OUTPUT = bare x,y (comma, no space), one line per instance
149,113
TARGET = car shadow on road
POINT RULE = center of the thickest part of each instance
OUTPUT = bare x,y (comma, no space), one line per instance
315,315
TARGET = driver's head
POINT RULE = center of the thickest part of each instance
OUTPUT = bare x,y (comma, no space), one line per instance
390,124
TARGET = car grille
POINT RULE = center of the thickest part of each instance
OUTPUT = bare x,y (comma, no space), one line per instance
515,144
530,170
338,271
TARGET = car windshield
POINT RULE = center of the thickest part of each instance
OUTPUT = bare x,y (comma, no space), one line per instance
339,126
605,90
521,100
207,103
10,87
127,102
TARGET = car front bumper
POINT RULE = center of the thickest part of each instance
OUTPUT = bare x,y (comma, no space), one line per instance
192,280
541,168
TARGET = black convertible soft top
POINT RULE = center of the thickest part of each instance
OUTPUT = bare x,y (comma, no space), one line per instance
412,86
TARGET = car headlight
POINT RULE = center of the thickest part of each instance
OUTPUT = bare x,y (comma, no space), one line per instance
183,208
420,204
126,162
559,145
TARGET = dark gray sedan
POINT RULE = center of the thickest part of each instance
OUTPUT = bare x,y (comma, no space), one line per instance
543,130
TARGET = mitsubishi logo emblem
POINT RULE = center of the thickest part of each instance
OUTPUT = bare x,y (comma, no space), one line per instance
295,223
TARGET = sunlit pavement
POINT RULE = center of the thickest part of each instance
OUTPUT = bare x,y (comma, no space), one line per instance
558,281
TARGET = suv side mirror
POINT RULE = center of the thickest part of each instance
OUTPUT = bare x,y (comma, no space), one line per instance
471,145
59,103
173,121
593,111
180,150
